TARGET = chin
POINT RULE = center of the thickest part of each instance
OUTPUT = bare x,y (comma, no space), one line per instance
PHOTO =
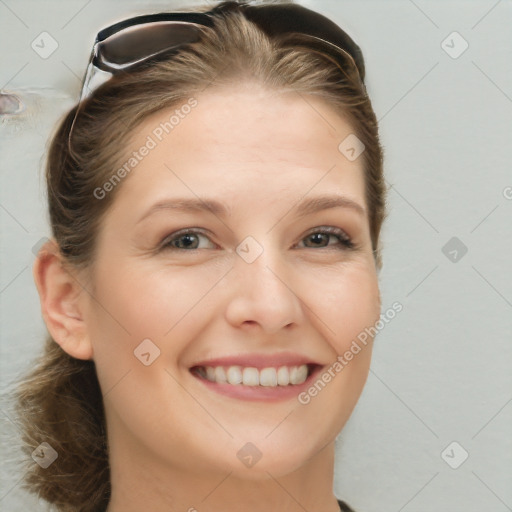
276,457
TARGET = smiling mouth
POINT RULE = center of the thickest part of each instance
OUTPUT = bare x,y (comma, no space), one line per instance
247,376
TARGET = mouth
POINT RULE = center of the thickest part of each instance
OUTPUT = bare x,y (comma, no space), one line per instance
266,383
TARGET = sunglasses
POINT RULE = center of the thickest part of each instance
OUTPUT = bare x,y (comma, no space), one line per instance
126,45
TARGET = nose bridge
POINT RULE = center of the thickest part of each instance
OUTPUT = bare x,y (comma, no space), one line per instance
261,293
264,274
262,271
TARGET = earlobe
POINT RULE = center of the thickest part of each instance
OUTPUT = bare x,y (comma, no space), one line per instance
62,302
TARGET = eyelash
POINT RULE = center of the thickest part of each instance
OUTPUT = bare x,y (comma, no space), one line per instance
345,241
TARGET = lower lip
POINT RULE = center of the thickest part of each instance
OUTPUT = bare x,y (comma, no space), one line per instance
259,393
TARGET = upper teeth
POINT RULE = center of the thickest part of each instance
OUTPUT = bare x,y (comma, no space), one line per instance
248,376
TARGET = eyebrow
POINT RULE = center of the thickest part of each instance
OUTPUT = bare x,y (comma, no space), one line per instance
305,207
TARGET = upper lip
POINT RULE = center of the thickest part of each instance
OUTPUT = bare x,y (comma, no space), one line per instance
258,361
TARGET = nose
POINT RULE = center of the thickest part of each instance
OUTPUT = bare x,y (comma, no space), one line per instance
262,295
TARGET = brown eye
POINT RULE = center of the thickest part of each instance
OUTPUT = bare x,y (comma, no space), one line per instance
321,238
185,240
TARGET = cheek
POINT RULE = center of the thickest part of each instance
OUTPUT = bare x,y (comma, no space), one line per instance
133,304
147,301
348,303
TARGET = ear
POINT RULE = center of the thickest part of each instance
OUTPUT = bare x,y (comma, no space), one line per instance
63,300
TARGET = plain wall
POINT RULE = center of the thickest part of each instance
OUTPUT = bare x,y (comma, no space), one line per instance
441,370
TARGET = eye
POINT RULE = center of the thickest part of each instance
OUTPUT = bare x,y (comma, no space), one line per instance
190,239
321,238
186,239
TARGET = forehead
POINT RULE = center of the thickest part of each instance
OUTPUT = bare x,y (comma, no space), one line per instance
241,142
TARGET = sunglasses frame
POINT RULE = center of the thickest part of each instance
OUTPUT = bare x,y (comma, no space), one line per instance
98,62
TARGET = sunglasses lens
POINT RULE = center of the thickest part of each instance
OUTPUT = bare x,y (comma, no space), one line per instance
140,42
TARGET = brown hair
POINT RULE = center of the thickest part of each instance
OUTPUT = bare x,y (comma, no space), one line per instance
60,401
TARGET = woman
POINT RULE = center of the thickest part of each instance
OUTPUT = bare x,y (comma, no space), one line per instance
216,208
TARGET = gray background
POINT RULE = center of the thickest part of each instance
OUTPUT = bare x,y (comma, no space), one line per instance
441,368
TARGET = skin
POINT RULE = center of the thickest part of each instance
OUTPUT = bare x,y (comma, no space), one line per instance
173,442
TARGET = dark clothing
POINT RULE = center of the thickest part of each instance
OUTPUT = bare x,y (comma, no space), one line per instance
344,507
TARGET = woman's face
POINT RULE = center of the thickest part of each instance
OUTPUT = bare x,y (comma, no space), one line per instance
254,281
